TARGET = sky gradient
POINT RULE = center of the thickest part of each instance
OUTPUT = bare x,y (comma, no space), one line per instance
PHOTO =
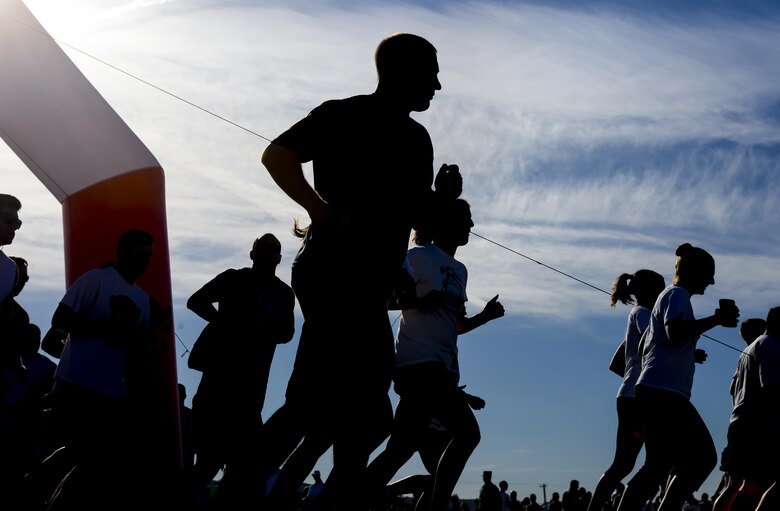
593,137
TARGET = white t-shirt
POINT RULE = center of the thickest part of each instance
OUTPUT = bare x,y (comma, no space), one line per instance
666,365
758,368
638,320
431,334
92,362
7,276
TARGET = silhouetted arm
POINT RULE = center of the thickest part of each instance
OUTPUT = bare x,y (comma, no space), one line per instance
680,330
448,182
202,303
72,322
493,310
286,170
67,320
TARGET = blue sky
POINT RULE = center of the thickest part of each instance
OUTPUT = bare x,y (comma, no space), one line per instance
593,137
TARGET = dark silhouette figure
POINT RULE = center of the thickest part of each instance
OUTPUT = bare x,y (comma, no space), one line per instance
751,454
489,495
514,504
26,380
373,171
107,317
533,505
675,435
12,317
427,371
555,503
749,331
503,486
9,224
309,500
640,290
255,313
569,500
705,504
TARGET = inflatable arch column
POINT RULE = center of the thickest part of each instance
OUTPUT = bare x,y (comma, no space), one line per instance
105,178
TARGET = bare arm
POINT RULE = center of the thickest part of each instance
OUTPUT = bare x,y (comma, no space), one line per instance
67,320
70,321
493,310
285,169
202,304
679,330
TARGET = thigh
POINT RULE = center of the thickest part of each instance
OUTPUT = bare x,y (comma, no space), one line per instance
410,422
455,414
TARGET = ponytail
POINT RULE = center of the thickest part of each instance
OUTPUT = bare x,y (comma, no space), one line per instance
621,291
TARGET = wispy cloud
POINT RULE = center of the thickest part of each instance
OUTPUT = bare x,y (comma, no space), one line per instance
592,139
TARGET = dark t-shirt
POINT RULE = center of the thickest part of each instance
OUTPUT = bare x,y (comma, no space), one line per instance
256,314
374,166
490,498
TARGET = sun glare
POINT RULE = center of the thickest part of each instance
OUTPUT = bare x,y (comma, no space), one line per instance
63,19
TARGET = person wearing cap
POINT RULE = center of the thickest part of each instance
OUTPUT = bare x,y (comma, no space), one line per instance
489,494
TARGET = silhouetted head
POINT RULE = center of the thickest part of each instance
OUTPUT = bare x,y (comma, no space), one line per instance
642,287
266,252
9,218
695,269
21,273
487,475
407,70
134,253
449,225
503,485
773,323
751,328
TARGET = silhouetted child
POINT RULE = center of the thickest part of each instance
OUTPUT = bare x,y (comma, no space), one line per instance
427,369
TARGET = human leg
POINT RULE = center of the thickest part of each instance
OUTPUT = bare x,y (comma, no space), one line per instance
460,421
297,467
694,454
727,494
656,416
628,443
410,421
770,500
